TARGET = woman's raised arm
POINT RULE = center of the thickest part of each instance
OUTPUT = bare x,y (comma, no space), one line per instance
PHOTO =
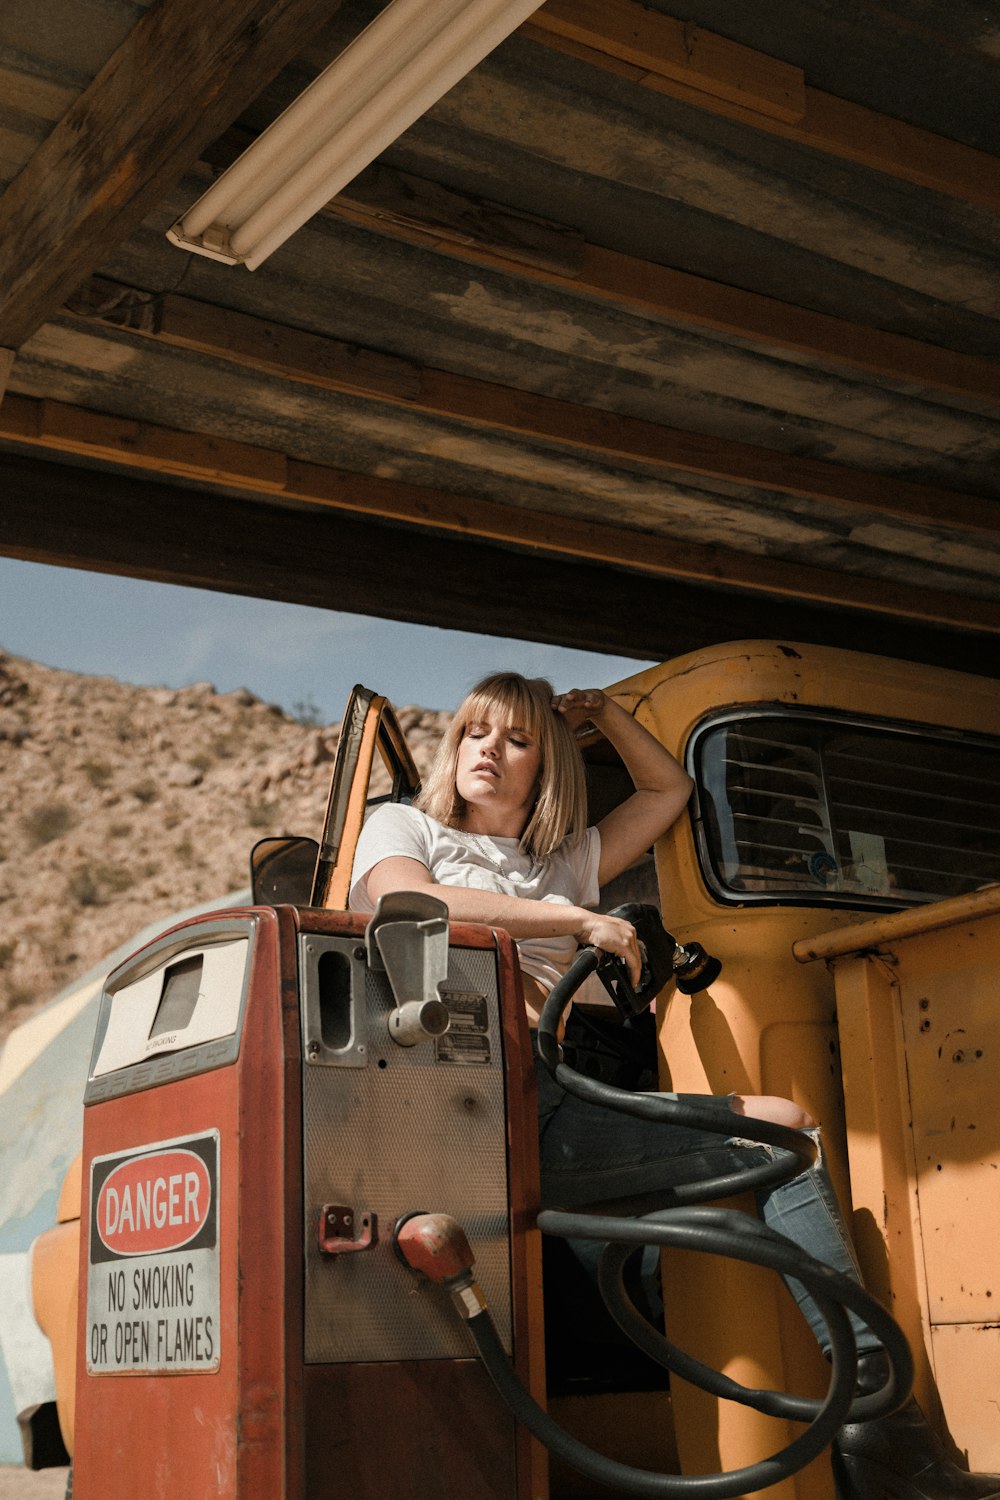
662,786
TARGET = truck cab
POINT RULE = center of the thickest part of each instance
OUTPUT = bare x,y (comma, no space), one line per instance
840,857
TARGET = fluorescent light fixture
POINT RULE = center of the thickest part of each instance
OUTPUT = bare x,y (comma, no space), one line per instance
402,63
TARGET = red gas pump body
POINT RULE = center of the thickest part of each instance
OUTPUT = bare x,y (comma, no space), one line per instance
224,1342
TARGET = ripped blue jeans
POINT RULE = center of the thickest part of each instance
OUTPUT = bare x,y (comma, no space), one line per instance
589,1154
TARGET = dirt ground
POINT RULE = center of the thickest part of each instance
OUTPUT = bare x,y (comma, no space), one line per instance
21,1484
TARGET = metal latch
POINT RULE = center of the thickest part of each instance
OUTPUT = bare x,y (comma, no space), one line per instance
343,1232
407,938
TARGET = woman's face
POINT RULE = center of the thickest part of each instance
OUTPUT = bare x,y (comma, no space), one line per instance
497,775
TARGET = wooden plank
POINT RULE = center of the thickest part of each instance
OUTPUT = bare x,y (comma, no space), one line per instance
251,341
679,50
640,551
875,140
181,76
828,124
259,345
145,445
770,322
120,523
38,98
399,201
647,288
431,213
64,429
6,365
423,212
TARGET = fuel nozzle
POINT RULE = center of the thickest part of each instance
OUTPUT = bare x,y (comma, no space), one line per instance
663,958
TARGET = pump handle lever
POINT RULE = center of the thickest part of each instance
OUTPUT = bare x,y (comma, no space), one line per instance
407,939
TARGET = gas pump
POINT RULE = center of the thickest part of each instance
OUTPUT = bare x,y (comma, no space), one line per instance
298,1134
288,1113
270,1091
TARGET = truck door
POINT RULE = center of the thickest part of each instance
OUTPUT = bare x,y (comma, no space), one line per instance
370,725
310,872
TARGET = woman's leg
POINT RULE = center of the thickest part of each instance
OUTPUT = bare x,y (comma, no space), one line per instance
805,1210
589,1155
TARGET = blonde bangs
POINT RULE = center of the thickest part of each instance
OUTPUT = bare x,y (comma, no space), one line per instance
510,700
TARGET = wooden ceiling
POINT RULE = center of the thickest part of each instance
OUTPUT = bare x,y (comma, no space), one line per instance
668,325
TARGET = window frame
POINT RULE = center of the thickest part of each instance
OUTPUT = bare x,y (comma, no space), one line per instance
742,713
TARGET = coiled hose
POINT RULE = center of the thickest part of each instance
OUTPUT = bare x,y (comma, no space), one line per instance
714,1231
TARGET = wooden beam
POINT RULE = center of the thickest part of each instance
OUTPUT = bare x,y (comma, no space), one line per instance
397,203
72,430
180,77
599,34
427,212
6,365
117,523
257,344
679,50
390,202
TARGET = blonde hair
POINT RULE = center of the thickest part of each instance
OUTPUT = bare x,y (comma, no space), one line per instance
560,809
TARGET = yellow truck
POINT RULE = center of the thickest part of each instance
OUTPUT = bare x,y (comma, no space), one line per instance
840,858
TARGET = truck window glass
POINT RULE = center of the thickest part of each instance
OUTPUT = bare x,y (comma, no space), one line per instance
829,811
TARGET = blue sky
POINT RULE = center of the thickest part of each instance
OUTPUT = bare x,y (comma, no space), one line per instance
155,635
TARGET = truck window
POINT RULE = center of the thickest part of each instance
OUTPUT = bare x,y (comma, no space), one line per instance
825,810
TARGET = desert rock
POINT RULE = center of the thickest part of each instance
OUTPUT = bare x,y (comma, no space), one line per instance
120,805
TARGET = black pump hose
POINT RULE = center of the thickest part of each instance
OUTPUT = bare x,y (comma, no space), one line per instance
831,1414
712,1230
799,1150
717,1232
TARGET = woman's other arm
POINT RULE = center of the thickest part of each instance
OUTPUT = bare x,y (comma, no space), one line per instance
662,786
521,918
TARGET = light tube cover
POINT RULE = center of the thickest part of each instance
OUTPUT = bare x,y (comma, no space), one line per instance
410,55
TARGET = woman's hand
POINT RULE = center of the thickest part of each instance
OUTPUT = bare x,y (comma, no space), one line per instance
612,935
579,705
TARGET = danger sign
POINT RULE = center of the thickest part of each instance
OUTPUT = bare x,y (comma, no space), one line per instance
156,1202
153,1280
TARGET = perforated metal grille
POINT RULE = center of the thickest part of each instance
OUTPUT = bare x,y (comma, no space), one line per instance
408,1131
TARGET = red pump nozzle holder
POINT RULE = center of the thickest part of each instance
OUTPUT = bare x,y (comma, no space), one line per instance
435,1245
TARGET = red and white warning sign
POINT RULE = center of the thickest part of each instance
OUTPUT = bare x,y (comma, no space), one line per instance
153,1278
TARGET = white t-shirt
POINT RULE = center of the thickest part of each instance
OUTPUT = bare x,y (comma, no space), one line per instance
478,862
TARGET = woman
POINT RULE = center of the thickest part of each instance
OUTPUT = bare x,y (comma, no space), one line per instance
499,835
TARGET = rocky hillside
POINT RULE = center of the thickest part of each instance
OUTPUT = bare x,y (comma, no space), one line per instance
120,805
